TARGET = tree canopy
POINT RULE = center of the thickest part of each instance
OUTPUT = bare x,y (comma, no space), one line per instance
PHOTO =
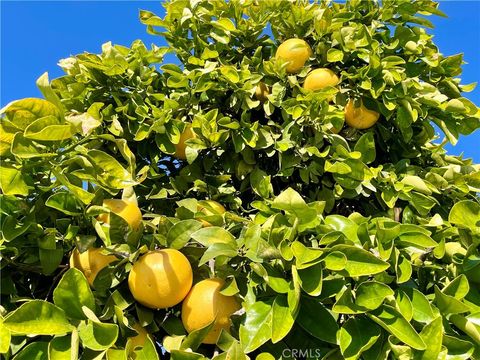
339,243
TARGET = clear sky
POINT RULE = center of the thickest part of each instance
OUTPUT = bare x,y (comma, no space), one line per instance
36,34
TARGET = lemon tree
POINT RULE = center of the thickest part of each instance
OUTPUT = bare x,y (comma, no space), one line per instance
288,158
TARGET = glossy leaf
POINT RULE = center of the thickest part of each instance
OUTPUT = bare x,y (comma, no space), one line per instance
37,317
72,293
356,336
360,262
317,320
97,336
392,321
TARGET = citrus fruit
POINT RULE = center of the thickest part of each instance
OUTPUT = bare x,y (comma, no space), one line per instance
208,208
204,304
127,210
295,52
187,134
160,278
359,117
90,262
261,91
319,79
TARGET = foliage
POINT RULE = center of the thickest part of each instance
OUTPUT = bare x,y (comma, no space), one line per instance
335,243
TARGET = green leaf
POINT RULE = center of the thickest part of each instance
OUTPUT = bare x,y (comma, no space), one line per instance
371,294
180,233
34,351
305,257
59,348
117,354
44,85
37,317
431,335
25,111
185,355
97,336
356,336
417,240
360,262
404,305
392,321
147,352
48,128
81,194
27,149
311,279
335,261
422,311
458,287
261,184
472,329
466,214
289,200
72,293
5,337
257,328
230,73
225,24
50,259
149,18
324,330
12,181
448,304
109,169
65,202
282,318
218,249
334,55
366,146
340,223
212,235
458,349
194,339
417,183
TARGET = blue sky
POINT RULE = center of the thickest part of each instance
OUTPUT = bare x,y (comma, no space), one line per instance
36,34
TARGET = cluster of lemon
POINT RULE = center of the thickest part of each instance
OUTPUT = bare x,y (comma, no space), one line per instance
163,278
294,53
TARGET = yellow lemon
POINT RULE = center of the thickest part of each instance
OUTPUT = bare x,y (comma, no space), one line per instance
161,278
204,304
360,117
295,52
209,207
187,134
127,210
261,92
90,262
319,79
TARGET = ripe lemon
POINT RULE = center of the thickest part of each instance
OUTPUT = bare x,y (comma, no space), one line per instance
138,340
90,262
204,304
295,52
127,210
161,278
187,134
360,117
208,208
319,79
261,92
